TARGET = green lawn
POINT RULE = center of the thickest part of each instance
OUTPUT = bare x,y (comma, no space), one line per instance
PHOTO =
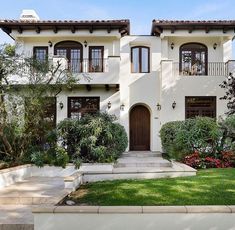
209,187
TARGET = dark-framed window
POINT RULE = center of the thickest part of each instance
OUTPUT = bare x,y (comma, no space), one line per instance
204,106
79,106
96,58
193,59
140,61
73,51
40,53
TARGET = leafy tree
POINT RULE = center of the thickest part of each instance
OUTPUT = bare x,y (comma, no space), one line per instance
25,85
229,86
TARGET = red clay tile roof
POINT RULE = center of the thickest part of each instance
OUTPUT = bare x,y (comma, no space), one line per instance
159,25
122,25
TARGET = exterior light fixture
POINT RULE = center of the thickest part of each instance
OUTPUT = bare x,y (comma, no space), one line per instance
61,105
215,46
85,43
172,45
109,105
50,44
159,107
174,105
122,107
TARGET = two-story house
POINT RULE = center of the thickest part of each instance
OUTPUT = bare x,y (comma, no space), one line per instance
146,80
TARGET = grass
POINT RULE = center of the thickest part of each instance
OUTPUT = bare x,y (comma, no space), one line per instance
209,187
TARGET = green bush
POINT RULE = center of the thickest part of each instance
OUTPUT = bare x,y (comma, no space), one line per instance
93,138
168,134
200,134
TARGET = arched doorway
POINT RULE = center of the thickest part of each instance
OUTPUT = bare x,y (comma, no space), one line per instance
139,128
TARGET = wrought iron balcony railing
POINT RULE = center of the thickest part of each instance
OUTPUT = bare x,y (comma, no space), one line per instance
205,69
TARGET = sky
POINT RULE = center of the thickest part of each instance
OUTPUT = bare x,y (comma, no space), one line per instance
140,12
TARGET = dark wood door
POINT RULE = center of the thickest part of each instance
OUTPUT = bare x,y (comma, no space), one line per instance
139,128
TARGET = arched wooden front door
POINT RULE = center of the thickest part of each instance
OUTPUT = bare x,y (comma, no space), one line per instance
139,128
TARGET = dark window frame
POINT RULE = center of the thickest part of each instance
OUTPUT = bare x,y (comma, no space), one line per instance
42,48
193,49
213,108
140,58
69,45
83,98
90,57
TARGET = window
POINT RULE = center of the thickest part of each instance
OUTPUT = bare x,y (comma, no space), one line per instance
73,52
40,53
200,106
78,106
193,59
140,59
96,58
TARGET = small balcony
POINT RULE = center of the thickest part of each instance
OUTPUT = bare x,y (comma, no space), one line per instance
205,69
76,66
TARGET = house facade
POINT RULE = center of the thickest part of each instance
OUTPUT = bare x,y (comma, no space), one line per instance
145,80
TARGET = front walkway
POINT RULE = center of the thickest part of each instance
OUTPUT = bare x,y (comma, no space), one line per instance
34,191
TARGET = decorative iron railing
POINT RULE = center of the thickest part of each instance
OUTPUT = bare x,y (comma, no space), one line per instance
205,69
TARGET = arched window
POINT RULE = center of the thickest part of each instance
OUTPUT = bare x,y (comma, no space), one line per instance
73,52
140,59
193,59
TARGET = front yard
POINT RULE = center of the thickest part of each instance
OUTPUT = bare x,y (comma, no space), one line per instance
209,187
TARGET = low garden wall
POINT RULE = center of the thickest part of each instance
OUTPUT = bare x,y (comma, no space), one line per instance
134,217
19,173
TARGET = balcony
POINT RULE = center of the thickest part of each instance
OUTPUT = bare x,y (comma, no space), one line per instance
205,69
97,65
95,71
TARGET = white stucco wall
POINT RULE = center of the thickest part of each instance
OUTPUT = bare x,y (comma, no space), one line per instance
105,96
140,88
161,85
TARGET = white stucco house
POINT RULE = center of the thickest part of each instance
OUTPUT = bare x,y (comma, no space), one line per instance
145,80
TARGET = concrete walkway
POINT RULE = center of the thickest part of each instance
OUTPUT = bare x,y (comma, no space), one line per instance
34,191
15,217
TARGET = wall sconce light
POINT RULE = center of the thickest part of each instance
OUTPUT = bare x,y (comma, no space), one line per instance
85,43
109,105
122,107
159,107
174,105
215,46
50,44
172,45
61,105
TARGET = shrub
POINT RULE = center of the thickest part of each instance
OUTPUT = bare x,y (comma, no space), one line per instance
180,138
93,138
168,134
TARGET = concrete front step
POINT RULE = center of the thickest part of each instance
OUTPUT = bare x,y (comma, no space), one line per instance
141,154
135,161
143,164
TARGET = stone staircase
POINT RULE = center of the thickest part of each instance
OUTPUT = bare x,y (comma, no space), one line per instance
142,159
139,165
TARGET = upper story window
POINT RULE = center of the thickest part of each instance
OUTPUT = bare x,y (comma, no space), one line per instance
193,59
96,58
40,53
73,52
140,59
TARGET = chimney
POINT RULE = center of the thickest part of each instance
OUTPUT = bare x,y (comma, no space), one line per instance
29,15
